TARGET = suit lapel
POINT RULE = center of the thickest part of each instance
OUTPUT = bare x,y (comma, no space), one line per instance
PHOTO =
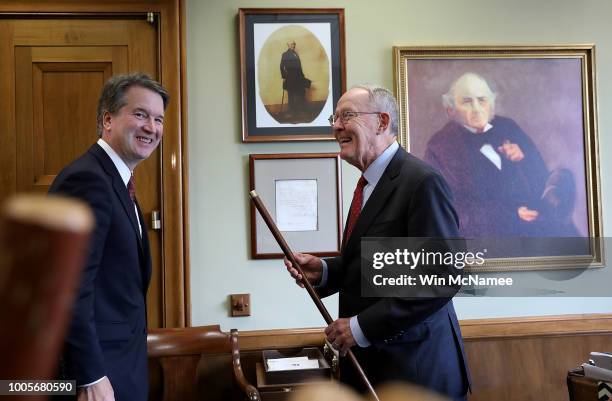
377,200
145,253
119,187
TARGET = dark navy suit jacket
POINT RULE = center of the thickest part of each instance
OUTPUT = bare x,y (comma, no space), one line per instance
107,334
418,339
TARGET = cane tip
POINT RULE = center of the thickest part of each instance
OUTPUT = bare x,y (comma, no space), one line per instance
253,194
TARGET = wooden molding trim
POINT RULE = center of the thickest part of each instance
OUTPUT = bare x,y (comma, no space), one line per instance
175,313
185,154
537,326
472,330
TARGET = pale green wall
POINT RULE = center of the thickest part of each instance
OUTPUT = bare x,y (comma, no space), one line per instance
218,160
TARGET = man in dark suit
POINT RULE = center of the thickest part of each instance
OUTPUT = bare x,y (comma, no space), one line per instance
106,347
294,81
417,340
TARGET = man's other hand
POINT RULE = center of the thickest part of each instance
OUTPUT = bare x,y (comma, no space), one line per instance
527,214
512,151
311,266
339,334
101,391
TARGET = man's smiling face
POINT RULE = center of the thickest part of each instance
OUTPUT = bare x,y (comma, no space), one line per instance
136,129
358,137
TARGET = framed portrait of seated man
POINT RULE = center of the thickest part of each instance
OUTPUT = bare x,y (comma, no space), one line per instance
513,131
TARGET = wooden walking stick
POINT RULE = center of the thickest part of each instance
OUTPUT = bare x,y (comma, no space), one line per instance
311,291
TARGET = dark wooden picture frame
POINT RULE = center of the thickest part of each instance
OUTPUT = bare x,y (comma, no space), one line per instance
266,171
292,70
543,101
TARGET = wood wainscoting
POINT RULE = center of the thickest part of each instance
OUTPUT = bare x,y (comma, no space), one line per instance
511,359
527,359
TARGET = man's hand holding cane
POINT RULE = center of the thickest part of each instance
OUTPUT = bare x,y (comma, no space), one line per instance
339,332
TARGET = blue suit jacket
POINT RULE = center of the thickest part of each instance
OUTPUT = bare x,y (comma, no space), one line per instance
107,334
414,340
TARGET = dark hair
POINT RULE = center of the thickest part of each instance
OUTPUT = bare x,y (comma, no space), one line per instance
112,97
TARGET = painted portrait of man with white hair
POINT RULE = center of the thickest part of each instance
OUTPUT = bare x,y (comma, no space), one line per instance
500,181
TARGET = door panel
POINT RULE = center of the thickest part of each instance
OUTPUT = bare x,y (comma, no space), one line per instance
57,141
56,115
51,73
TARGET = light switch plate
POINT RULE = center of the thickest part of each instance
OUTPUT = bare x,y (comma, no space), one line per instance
240,304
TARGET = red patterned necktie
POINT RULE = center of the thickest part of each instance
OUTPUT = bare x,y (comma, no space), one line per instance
355,209
131,187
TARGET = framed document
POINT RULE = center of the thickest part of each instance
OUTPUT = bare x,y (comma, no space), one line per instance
302,193
292,72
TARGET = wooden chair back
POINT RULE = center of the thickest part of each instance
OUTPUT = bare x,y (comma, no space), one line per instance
43,246
180,353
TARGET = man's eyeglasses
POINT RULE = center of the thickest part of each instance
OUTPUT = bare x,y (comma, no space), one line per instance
346,116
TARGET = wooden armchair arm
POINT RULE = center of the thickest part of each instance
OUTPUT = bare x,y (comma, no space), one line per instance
249,389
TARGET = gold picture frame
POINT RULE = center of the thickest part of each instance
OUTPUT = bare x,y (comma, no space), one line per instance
544,96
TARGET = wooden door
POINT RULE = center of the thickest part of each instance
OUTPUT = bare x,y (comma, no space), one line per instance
51,73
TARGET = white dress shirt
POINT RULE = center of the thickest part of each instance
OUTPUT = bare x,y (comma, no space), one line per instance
487,149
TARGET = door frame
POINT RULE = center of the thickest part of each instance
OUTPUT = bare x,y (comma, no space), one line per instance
170,17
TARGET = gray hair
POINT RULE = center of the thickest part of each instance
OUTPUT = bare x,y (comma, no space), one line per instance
448,99
112,97
384,101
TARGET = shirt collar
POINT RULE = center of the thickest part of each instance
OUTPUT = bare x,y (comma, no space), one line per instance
122,168
378,166
473,131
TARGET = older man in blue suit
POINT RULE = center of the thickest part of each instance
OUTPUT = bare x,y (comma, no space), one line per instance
416,340
106,347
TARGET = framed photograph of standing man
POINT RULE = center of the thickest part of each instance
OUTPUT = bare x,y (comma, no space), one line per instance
292,72
513,130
